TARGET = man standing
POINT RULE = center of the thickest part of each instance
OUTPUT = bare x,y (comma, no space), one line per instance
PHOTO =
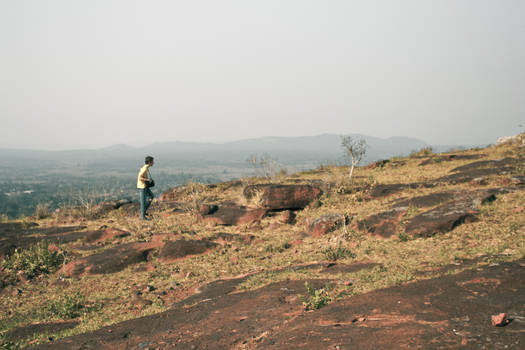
144,182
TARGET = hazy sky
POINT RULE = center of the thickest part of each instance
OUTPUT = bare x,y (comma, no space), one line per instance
76,74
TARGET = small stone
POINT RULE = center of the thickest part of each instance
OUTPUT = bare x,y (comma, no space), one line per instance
500,320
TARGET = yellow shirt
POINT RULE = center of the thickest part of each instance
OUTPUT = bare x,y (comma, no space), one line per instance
143,172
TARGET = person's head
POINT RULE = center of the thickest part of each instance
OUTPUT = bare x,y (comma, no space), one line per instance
148,160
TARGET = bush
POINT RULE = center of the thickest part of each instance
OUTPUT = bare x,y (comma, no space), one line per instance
316,299
70,306
426,151
42,211
35,260
332,254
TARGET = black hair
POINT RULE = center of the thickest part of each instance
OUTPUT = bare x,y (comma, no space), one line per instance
148,160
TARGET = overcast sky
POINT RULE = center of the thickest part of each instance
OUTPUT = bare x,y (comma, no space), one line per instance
89,74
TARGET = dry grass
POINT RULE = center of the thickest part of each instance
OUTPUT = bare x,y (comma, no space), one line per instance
498,236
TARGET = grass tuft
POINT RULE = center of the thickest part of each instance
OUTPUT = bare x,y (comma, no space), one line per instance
316,298
38,259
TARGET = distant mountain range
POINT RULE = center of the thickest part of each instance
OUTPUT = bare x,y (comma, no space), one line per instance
301,152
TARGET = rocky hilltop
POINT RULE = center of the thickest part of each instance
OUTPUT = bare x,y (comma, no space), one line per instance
426,252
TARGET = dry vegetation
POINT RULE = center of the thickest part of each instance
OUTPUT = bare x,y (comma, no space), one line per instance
100,300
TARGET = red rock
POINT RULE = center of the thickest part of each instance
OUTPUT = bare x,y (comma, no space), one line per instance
53,248
274,226
111,260
464,208
181,248
276,197
384,224
106,235
172,194
230,215
296,242
287,217
499,320
325,224
378,164
206,209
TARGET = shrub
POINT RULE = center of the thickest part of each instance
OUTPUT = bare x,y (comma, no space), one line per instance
7,344
42,211
70,306
316,299
35,260
426,151
332,254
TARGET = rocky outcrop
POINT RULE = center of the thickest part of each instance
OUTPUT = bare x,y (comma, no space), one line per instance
452,311
173,194
235,215
109,234
174,250
20,236
463,208
385,190
384,224
449,158
429,200
325,224
111,260
107,206
287,217
279,197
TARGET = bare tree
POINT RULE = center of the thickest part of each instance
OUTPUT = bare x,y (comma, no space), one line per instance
354,150
266,163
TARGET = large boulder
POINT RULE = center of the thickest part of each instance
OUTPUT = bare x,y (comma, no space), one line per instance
235,215
278,197
325,224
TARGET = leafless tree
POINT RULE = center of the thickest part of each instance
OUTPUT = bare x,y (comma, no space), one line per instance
354,150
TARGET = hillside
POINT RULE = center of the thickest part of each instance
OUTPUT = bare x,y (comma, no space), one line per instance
414,252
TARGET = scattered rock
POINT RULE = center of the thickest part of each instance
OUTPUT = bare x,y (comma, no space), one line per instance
378,164
384,224
478,181
487,164
450,157
224,238
287,217
235,215
174,250
109,234
173,194
277,197
107,206
500,320
463,208
274,226
207,209
111,260
429,200
384,190
325,224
